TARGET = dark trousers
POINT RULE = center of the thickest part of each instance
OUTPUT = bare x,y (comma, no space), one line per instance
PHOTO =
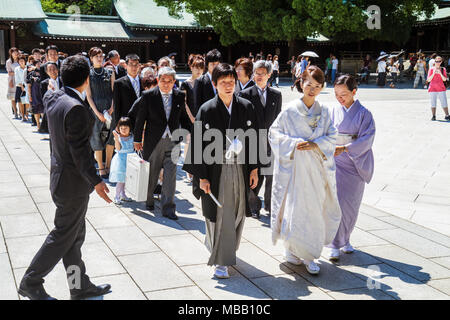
44,124
254,201
161,158
64,242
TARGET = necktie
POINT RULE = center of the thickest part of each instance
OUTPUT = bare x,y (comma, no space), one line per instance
166,104
261,97
136,87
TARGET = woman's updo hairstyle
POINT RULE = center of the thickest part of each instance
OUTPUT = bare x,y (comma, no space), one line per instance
348,80
312,71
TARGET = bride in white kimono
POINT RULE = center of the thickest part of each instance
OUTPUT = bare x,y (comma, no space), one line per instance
305,209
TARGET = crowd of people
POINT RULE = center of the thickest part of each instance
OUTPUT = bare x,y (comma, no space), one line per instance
313,159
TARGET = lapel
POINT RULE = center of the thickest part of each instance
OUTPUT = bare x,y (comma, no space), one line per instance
222,115
234,124
208,83
60,83
260,112
160,104
128,84
175,105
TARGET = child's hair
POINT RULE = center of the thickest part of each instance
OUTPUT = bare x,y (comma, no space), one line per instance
124,121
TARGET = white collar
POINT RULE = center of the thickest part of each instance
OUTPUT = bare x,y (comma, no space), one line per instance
348,110
133,79
209,76
260,89
244,85
308,110
170,93
229,109
77,92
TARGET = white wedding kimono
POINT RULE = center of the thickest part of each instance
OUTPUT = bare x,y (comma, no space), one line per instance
305,208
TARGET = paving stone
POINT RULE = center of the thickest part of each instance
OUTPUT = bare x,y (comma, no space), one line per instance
409,263
7,166
262,238
9,176
37,180
357,258
40,194
110,217
442,285
360,238
252,262
2,242
419,230
8,287
12,189
154,271
290,287
22,250
360,294
185,293
183,249
396,283
368,223
100,261
17,205
122,288
155,226
127,240
414,243
204,272
443,261
330,278
22,225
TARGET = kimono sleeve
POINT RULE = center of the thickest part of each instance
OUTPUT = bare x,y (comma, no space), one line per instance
327,142
281,142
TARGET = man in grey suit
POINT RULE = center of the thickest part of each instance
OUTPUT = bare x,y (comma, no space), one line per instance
72,178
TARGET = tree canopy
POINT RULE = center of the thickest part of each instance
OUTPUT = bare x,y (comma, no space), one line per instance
95,7
275,20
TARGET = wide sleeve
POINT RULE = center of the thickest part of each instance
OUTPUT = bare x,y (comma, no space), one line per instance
327,142
197,95
281,141
185,121
77,136
116,100
360,150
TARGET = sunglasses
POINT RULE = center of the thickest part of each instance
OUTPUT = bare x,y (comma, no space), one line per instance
438,61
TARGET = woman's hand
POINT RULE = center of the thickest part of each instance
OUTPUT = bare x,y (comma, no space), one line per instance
253,178
205,186
339,150
11,83
306,145
101,117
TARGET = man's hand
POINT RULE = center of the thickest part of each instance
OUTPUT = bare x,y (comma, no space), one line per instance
205,186
339,150
306,145
50,86
138,146
102,191
253,178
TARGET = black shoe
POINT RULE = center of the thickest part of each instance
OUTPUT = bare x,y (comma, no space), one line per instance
433,118
255,214
171,216
447,118
37,293
150,207
93,291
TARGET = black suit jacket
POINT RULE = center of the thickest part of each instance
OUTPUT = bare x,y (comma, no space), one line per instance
44,85
151,112
70,123
214,115
44,74
238,87
265,115
121,72
124,96
203,91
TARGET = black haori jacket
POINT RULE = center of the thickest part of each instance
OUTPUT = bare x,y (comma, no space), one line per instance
214,115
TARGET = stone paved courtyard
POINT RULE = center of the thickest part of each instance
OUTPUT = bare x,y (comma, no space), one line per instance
402,235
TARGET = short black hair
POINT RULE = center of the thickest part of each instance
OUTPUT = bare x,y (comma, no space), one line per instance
35,50
124,121
112,54
213,56
74,71
131,56
223,70
51,47
50,63
348,80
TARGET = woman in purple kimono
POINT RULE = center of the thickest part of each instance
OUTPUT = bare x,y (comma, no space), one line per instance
353,156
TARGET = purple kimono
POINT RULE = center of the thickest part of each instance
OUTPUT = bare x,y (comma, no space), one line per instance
354,168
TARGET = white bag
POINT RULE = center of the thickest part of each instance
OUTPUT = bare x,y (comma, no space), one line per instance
136,183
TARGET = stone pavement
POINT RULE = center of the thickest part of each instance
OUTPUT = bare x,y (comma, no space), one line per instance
146,256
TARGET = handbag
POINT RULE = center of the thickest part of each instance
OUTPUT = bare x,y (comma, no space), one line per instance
137,175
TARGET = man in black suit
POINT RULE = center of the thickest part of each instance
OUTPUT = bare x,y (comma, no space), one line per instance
114,57
51,53
267,102
72,178
203,87
163,109
53,82
127,89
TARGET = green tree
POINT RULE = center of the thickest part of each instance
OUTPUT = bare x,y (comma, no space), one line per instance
94,7
274,20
